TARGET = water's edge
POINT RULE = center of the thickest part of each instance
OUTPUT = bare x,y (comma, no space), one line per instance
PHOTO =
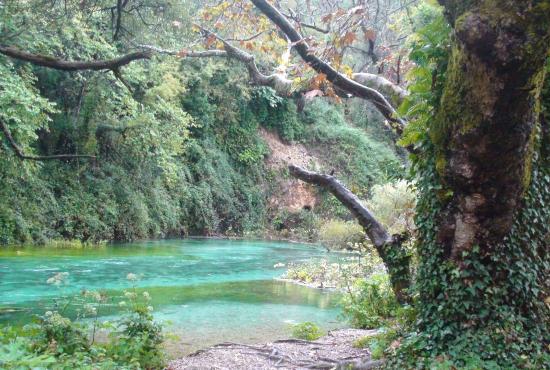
207,291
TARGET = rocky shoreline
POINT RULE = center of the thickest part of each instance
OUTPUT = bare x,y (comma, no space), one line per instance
333,351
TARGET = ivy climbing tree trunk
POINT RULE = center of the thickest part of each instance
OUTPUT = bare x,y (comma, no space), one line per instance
487,123
483,214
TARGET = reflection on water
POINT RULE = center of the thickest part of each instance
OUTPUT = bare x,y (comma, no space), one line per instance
209,290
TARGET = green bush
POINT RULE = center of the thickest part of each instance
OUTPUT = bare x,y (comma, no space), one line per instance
304,272
306,331
135,340
371,302
302,225
15,353
278,114
59,335
139,341
377,344
393,205
359,161
339,234
185,158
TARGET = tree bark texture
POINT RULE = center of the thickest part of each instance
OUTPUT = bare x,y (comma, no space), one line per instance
485,130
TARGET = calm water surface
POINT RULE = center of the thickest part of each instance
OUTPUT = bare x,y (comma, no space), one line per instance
206,291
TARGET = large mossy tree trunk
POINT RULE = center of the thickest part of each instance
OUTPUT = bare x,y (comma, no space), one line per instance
484,210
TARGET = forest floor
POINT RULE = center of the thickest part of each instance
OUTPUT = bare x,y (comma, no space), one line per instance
333,351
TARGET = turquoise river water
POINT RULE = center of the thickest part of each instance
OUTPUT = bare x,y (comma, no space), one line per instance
205,291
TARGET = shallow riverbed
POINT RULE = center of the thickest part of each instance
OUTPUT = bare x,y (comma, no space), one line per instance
205,291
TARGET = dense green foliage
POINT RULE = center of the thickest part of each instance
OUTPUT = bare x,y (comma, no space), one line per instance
337,234
371,302
206,179
177,144
306,331
203,172
57,342
359,160
201,182
171,158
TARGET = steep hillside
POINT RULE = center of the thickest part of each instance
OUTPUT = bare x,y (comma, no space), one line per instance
215,160
330,144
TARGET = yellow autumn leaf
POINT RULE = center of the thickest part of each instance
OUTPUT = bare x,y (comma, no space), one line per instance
347,70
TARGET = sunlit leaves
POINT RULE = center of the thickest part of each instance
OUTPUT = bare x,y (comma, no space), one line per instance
334,31
318,81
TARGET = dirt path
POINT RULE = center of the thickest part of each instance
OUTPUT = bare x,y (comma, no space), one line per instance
333,351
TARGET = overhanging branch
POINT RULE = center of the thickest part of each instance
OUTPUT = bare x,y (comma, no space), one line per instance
65,65
393,92
277,80
374,230
390,248
337,78
185,53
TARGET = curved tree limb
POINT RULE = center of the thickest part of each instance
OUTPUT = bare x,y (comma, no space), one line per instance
390,248
60,64
393,92
19,152
185,53
337,78
65,65
277,80
374,230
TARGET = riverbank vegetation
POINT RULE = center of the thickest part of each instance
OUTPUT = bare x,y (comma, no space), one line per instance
134,340
211,182
414,134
